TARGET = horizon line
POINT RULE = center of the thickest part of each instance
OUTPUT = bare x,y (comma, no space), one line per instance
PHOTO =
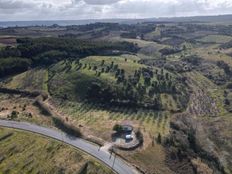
96,19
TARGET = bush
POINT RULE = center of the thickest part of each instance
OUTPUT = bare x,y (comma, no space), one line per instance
14,115
71,130
117,128
139,136
229,86
159,139
192,140
194,60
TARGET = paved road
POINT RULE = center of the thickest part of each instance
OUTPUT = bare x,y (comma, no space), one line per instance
118,165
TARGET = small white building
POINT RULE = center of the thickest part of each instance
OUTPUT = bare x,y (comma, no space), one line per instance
129,137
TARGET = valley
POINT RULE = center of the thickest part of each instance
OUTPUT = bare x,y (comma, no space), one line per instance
170,81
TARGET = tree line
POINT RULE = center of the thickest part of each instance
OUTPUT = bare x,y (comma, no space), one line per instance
32,52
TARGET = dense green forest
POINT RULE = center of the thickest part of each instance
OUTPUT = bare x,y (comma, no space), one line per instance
46,51
13,65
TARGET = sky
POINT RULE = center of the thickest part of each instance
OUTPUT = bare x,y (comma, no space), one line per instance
21,10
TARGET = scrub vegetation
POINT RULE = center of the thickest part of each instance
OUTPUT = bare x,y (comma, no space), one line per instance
172,81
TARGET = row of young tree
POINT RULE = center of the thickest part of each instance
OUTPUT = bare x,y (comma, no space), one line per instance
163,84
137,90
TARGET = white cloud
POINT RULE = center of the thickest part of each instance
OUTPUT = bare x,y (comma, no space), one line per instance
101,2
84,9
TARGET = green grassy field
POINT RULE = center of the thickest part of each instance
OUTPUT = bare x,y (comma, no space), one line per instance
211,53
153,34
219,39
35,79
148,49
22,152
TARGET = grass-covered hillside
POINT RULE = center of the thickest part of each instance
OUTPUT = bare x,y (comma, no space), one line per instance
70,82
220,39
116,81
35,79
171,81
22,152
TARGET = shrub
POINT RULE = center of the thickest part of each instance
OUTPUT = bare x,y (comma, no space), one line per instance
139,136
71,130
13,115
159,139
103,62
117,128
229,86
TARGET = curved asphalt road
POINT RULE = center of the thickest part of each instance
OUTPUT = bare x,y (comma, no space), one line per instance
118,165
